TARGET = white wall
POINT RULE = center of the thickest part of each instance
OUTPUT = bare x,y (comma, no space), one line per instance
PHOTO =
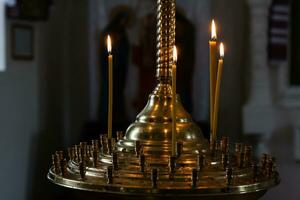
43,103
19,121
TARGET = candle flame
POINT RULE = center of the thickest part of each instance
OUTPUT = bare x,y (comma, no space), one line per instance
109,44
222,51
213,30
175,56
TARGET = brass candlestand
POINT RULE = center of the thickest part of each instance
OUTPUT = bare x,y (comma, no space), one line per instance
140,165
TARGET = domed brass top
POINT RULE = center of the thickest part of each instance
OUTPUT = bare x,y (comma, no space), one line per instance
153,126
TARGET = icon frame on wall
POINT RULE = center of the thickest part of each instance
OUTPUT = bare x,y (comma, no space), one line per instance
22,42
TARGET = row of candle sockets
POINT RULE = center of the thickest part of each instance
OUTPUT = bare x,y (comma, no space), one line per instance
83,152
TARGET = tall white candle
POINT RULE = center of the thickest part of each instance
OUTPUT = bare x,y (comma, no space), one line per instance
174,74
212,69
218,90
110,86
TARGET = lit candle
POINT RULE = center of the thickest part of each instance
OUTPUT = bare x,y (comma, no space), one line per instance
174,74
213,66
218,89
110,86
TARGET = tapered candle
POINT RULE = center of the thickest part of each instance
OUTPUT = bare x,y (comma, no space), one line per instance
110,86
213,66
174,74
218,89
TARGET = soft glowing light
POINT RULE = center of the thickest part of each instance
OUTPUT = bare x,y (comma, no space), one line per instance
213,30
109,44
222,50
175,56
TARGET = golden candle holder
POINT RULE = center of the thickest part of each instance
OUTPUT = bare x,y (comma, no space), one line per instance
140,165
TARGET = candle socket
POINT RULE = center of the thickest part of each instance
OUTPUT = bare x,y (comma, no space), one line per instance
95,157
64,170
82,170
238,148
77,153
73,153
115,160
248,156
194,178
103,143
95,145
90,150
55,162
212,146
224,145
200,162
70,153
229,176
120,135
179,148
172,165
154,176
255,172
270,165
264,164
240,160
82,155
142,162
225,160
69,150
83,146
138,148
60,155
109,175
109,146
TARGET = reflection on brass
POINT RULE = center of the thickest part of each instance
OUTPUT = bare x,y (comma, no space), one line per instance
140,165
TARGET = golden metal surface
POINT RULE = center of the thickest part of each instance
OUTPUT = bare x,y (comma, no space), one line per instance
212,179
139,165
153,128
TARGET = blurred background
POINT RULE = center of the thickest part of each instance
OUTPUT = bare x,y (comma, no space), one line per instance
53,82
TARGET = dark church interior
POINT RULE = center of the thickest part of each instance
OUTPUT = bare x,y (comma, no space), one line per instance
54,80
